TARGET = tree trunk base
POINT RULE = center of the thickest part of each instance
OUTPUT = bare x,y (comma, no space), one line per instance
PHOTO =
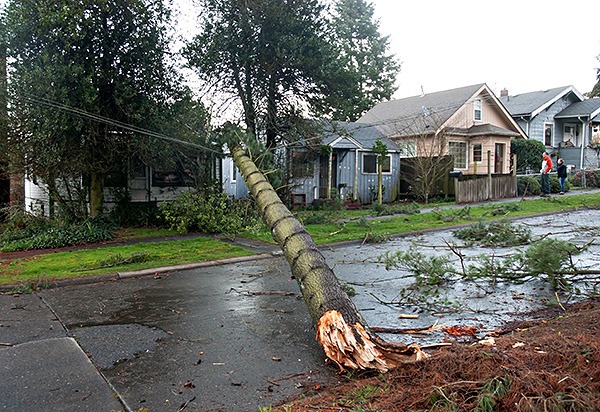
354,347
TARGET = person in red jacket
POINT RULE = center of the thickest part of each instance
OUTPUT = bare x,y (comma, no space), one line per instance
546,168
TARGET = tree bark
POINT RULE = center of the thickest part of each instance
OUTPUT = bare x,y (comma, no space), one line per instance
341,330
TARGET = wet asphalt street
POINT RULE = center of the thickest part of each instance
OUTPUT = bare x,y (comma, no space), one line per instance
224,338
231,337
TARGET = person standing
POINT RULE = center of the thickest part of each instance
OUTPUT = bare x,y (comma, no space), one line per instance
561,171
545,170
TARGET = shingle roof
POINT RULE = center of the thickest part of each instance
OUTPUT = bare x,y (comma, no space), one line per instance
364,134
532,103
482,130
589,107
418,114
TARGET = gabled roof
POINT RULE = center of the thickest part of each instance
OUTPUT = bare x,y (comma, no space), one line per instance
589,108
533,103
345,135
361,135
430,113
418,114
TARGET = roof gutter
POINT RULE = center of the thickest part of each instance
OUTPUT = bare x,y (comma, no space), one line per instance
527,124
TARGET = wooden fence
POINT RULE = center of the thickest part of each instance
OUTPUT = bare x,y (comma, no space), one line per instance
469,189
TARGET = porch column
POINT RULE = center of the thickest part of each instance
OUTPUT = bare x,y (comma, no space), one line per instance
330,169
582,154
489,174
355,185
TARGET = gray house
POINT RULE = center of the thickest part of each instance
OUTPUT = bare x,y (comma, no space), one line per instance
578,137
337,161
563,120
344,165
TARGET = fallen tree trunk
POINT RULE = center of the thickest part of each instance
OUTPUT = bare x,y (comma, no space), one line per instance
341,330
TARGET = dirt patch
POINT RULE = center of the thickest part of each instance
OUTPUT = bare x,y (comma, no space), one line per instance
551,364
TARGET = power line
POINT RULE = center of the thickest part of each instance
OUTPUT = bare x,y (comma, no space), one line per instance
111,122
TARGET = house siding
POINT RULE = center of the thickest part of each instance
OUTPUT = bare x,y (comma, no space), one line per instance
491,114
572,157
536,125
366,184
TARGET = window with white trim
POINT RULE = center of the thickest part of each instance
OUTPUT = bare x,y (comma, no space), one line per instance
234,171
548,134
477,109
458,150
369,163
477,152
407,148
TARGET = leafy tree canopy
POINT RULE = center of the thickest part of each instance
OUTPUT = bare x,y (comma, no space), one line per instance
264,54
79,70
596,90
284,59
366,72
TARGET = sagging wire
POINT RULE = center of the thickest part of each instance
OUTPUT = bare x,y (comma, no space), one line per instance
111,122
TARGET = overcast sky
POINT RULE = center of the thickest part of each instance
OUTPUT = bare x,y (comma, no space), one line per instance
521,45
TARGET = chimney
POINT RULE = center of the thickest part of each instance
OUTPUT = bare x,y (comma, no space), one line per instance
504,92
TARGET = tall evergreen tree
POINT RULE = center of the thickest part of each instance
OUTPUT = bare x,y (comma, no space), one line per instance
268,55
366,70
595,92
3,94
109,58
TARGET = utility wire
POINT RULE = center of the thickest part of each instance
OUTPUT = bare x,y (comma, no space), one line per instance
105,120
111,122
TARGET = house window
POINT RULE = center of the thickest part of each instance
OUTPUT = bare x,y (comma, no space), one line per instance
369,163
477,109
407,149
178,176
458,150
234,172
477,152
302,164
548,134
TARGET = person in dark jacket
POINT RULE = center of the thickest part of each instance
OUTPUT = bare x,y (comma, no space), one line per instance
561,171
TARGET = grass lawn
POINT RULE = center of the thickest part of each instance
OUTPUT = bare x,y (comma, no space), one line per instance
350,225
338,226
63,265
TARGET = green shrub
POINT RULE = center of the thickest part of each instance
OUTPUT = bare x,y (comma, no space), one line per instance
43,233
529,185
212,212
592,178
555,184
133,214
529,154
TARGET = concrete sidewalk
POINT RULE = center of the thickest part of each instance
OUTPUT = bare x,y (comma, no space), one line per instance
41,368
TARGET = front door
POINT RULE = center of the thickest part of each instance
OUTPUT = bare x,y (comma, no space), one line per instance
500,154
324,174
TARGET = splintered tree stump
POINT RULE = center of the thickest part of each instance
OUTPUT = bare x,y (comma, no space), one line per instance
341,330
354,347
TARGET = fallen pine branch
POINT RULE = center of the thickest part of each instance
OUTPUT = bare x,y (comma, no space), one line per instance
400,331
